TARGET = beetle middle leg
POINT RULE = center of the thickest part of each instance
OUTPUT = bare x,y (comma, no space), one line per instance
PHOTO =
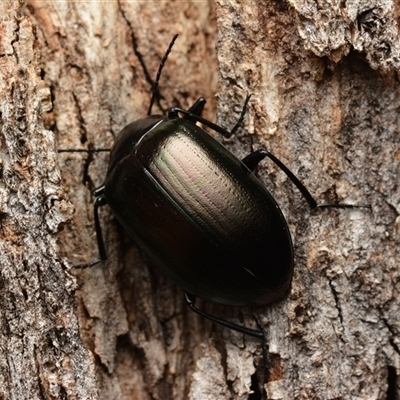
252,160
100,201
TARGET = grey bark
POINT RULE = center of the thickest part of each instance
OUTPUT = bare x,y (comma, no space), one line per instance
325,99
41,352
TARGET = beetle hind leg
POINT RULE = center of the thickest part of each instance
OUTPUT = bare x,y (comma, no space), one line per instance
191,301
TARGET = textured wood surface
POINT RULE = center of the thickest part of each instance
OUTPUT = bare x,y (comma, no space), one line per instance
325,99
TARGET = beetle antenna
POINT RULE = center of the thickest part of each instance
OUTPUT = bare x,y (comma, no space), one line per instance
160,68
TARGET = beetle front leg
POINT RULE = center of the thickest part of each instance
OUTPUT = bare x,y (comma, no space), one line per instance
242,114
191,301
198,107
194,115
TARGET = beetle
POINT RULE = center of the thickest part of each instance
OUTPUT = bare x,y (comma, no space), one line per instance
197,211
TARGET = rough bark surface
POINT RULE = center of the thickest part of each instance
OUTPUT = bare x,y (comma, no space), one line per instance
325,100
41,352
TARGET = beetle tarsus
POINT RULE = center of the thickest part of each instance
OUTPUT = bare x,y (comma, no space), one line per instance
335,205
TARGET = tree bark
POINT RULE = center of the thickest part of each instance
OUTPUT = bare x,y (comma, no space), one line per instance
42,354
325,100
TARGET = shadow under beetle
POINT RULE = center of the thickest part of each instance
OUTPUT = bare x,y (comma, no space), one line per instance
197,211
